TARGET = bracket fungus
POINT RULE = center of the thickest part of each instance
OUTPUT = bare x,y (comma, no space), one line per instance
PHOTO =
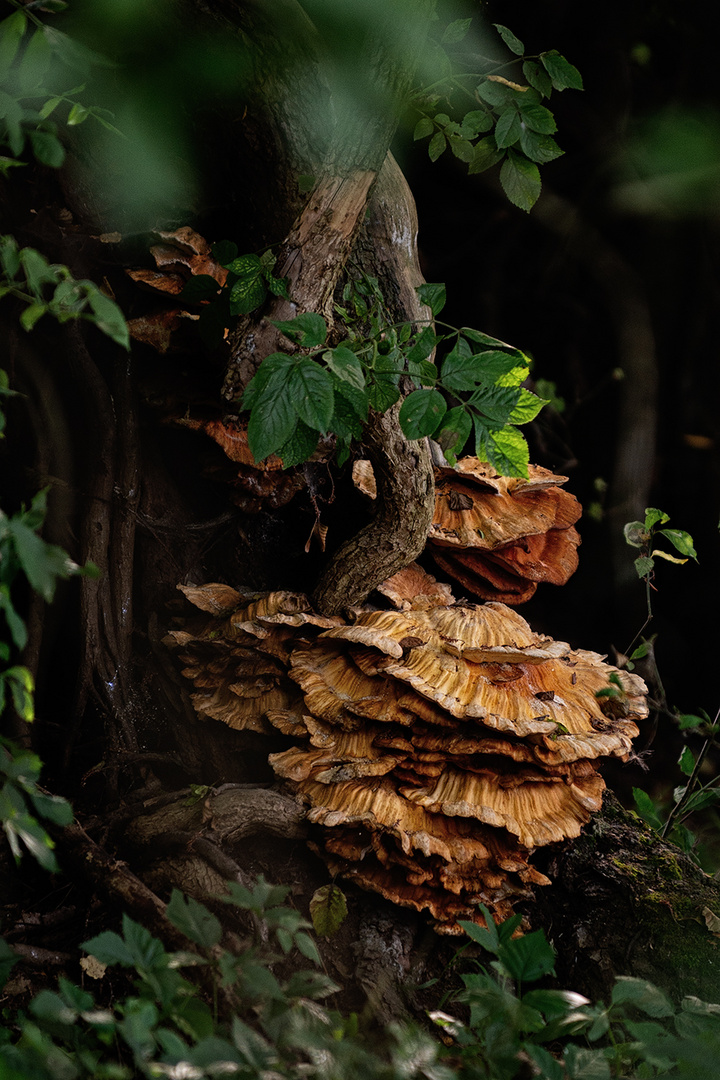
437,746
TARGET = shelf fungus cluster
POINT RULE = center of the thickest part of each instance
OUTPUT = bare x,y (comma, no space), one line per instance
436,745
499,537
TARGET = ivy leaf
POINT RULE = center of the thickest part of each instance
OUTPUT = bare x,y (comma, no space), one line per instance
562,73
313,397
421,412
432,294
520,180
308,329
513,43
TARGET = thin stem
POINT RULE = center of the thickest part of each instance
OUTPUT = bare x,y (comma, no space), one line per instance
676,811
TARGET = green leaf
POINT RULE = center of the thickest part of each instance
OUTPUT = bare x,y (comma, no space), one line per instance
461,148
308,329
474,122
344,363
505,449
9,255
520,180
642,994
47,148
582,1064
307,947
423,347
646,808
328,910
109,948
18,630
454,432
272,416
686,761
687,720
275,363
456,31
421,413
437,145
537,118
12,30
495,93
487,936
539,148
32,314
562,73
383,393
193,920
108,317
311,389
310,984
644,566
423,128
527,407
682,541
548,1066
653,517
528,958
224,251
508,127
38,270
41,563
635,533
277,286
246,294
52,807
301,445
513,43
147,952
434,295
486,155
538,78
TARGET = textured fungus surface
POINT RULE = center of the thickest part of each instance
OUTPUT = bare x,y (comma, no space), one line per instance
437,745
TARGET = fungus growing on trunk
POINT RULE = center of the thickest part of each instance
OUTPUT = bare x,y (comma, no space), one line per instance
438,745
500,536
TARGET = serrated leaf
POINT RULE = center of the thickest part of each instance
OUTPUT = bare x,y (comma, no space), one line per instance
513,43
311,389
644,566
193,920
383,393
421,413
507,128
344,363
456,31
538,78
109,948
563,74
423,128
486,155
461,148
454,432
505,449
301,445
272,416
537,118
328,910
528,958
433,294
308,329
539,148
246,294
520,180
495,93
527,407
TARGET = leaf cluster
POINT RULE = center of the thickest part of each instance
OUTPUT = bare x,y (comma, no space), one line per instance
279,1027
492,118
47,288
38,66
297,397
642,535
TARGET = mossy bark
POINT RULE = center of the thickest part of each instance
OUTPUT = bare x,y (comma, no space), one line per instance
626,902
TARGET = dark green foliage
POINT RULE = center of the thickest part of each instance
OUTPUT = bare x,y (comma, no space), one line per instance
484,116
